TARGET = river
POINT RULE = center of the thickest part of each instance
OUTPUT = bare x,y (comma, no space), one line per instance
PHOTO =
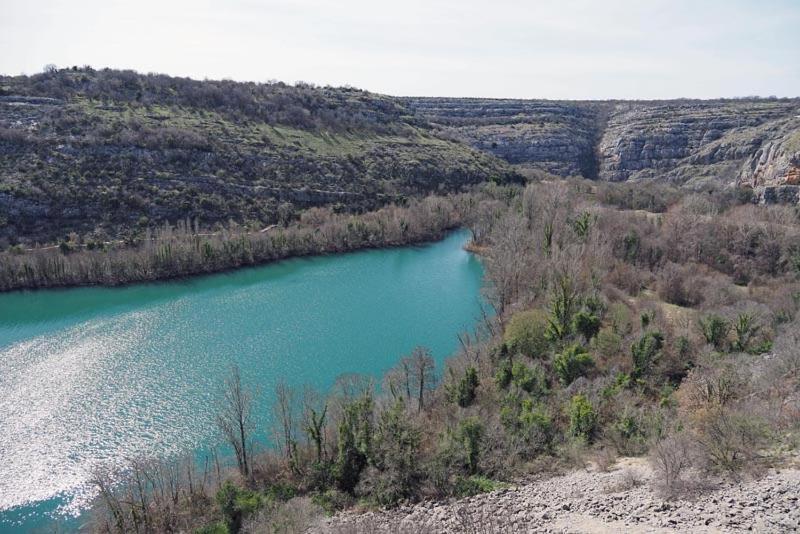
92,376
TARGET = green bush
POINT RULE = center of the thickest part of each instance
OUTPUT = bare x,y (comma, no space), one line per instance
563,303
528,422
644,353
395,457
529,379
715,330
464,391
280,491
586,324
469,486
470,435
572,363
503,376
582,417
235,504
526,333
355,443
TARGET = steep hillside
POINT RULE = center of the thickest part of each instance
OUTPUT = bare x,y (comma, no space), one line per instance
108,152
750,142
691,142
557,137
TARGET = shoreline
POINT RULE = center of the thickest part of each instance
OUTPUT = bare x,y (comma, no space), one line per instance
234,268
173,253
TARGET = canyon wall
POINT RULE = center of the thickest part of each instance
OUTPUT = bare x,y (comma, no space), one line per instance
746,142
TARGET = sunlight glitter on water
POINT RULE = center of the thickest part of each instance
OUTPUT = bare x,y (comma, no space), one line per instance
74,403
91,378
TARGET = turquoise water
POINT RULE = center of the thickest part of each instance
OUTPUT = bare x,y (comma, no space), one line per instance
92,376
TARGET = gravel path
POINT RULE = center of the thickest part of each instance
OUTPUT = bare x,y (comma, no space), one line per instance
586,501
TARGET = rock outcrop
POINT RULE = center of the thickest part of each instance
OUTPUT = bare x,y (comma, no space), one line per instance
773,170
557,137
746,142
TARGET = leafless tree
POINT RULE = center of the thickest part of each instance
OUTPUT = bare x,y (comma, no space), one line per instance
398,380
421,373
235,418
285,423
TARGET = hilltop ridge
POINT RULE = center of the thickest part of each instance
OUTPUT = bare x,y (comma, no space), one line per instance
107,153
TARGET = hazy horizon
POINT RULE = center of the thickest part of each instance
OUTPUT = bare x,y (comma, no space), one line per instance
569,50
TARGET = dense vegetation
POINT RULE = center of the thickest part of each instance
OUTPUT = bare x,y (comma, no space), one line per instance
620,330
107,153
186,249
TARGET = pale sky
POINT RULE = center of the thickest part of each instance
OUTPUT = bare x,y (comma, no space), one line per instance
565,49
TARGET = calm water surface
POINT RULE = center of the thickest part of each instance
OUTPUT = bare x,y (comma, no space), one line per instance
92,376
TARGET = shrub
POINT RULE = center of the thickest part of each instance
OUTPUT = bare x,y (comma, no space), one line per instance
474,485
503,376
235,503
572,363
530,379
715,330
670,458
586,324
746,328
607,343
633,428
620,315
535,426
464,391
214,528
395,455
355,442
673,287
526,333
563,301
469,436
582,417
645,351
528,422
730,439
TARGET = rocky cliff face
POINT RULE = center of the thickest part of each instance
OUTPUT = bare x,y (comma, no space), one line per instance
750,142
557,137
690,142
773,170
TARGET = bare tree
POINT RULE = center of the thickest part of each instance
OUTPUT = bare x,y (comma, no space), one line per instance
235,418
421,371
285,423
398,380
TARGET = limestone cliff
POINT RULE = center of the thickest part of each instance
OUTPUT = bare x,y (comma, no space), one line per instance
746,142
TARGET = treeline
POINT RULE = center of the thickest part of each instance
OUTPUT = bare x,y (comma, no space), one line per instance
186,249
618,333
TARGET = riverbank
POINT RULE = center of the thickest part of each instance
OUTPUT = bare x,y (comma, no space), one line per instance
184,250
623,499
136,372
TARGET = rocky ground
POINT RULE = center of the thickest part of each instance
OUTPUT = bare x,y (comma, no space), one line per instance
589,501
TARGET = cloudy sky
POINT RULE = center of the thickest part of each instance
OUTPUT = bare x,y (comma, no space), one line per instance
493,48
